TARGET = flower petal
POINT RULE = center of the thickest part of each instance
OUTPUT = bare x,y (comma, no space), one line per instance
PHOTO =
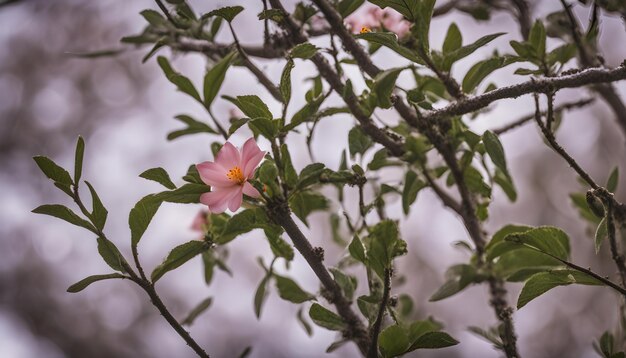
250,191
249,150
214,175
228,157
235,200
218,200
250,166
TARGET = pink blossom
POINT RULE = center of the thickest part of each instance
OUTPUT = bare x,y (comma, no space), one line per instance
372,17
200,222
228,176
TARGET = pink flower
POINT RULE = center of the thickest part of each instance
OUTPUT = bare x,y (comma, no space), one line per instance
200,222
228,176
372,17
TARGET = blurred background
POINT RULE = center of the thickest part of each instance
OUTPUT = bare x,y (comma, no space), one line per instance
124,109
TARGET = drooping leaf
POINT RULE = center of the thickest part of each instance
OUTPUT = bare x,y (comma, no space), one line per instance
412,186
178,256
357,250
82,284
464,51
53,171
390,40
358,141
384,84
325,318
611,183
495,150
193,127
285,82
289,290
244,222
260,296
64,213
601,234
545,281
252,106
182,83
547,239
111,254
385,245
458,278
197,311
160,176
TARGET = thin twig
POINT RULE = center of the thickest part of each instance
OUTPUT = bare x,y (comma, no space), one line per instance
146,285
558,109
618,258
549,135
373,350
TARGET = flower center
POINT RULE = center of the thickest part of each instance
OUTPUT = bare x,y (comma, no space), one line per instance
236,175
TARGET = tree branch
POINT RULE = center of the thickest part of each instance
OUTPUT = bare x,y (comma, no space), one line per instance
280,214
541,85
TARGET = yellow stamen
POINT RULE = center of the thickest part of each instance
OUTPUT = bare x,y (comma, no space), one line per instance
365,30
236,175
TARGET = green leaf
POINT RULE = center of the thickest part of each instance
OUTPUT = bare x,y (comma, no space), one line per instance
160,176
280,247
304,50
305,324
193,127
197,311
346,282
178,256
82,284
291,177
244,222
611,183
264,126
412,186
390,40
467,50
384,84
433,340
260,296
393,341
310,175
182,83
410,9
141,215
357,250
290,291
347,7
215,77
499,236
358,141
453,40
303,203
480,71
285,82
110,254
475,183
154,18
458,278
544,281
78,159
64,213
252,106
98,212
495,150
537,38
506,183
325,318
385,245
601,233
547,239
227,13
53,171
